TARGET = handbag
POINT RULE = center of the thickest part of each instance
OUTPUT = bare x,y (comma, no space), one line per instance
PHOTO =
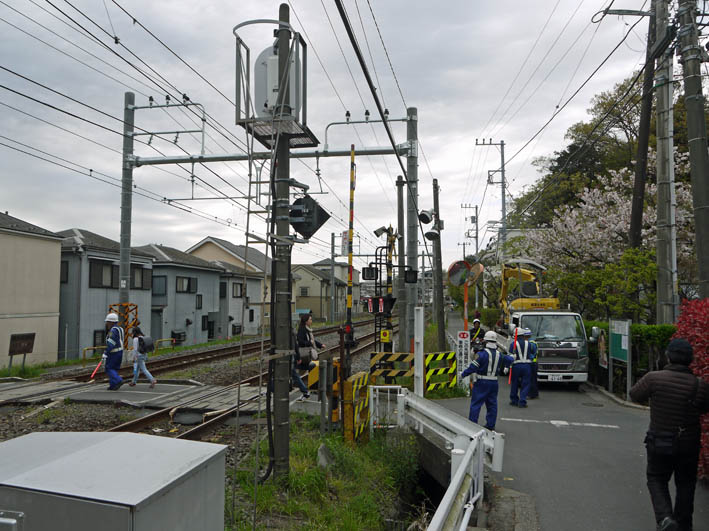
314,353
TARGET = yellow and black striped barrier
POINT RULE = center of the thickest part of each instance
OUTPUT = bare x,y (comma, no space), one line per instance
356,406
388,365
437,365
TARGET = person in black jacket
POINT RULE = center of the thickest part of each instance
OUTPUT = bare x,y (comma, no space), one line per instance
298,363
306,338
677,399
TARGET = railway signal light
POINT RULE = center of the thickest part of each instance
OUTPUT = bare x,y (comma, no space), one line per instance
307,216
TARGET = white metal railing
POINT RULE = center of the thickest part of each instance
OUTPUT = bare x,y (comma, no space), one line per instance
471,447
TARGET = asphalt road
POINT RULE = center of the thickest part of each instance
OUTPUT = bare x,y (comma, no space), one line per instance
581,456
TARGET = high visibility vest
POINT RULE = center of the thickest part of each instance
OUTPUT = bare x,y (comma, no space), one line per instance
493,361
119,346
522,354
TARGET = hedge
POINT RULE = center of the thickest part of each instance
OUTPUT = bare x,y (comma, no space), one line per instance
692,325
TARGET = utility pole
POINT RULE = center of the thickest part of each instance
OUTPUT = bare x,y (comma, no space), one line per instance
696,131
412,217
332,277
636,214
402,338
473,219
126,204
281,294
503,190
439,313
463,244
666,231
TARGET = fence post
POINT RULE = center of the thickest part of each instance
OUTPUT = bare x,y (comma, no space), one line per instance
419,368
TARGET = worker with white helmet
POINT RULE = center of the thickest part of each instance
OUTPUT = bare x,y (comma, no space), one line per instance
113,355
488,365
476,335
524,351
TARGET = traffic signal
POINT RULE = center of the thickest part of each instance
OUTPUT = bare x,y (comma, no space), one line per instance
383,304
306,216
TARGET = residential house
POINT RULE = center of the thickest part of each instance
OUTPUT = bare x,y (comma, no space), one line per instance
257,263
29,288
314,292
239,303
185,299
342,273
89,285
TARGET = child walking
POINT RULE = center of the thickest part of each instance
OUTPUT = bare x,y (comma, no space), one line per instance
140,356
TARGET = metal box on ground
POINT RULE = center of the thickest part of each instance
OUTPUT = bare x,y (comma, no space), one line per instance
112,481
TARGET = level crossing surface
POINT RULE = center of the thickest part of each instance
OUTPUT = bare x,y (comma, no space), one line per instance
581,456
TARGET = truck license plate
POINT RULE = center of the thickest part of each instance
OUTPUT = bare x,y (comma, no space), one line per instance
555,377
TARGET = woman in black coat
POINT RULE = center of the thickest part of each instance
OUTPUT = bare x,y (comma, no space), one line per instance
306,338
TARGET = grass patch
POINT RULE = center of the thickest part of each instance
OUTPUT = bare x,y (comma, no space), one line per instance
447,392
48,415
30,371
361,490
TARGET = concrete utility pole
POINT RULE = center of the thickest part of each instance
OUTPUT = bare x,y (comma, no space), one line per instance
126,203
281,295
636,214
503,188
402,338
473,219
438,312
411,218
696,131
332,277
666,232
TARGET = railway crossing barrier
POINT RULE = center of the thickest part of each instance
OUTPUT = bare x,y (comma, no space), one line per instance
386,367
440,364
356,405
471,447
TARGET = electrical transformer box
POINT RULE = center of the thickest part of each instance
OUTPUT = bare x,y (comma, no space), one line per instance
67,481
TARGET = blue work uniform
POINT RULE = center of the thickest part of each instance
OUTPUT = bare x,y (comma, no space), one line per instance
533,383
114,353
524,353
488,366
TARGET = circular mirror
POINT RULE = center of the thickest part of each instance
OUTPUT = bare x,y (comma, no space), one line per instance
458,273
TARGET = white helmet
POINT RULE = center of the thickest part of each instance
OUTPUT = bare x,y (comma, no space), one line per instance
490,337
476,321
112,318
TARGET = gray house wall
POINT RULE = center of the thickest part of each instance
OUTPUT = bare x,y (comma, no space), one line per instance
173,309
82,309
230,306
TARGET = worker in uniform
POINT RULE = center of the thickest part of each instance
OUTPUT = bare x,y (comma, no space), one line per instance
677,399
488,365
476,334
533,382
113,355
524,351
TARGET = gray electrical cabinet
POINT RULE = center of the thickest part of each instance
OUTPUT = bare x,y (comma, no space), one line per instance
67,481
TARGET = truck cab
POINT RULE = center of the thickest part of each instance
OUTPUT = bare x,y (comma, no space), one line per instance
562,345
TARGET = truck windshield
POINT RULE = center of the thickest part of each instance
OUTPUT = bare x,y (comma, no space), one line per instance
554,327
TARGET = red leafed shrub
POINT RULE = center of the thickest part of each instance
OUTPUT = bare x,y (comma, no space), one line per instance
692,325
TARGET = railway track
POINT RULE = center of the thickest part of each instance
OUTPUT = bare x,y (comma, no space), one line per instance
181,361
139,424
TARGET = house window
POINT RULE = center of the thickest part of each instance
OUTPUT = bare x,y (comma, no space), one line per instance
237,290
160,285
304,291
199,301
102,274
205,322
186,285
64,272
99,338
251,316
136,277
222,290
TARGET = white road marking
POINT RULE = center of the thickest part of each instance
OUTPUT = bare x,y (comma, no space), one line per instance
562,423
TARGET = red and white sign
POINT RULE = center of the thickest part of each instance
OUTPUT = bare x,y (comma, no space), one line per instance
370,305
463,334
381,304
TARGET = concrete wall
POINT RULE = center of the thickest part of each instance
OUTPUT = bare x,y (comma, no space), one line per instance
29,294
182,306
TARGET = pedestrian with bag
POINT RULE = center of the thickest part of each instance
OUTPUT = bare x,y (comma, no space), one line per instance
306,339
677,399
113,354
142,346
488,364
300,363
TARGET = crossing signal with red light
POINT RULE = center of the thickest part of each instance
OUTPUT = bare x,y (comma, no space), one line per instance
383,305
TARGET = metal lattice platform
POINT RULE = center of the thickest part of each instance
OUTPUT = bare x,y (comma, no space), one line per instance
265,131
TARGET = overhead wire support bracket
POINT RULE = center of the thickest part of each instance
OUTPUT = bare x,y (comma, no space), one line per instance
179,132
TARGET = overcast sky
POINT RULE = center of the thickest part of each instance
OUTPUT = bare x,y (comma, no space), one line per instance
474,69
